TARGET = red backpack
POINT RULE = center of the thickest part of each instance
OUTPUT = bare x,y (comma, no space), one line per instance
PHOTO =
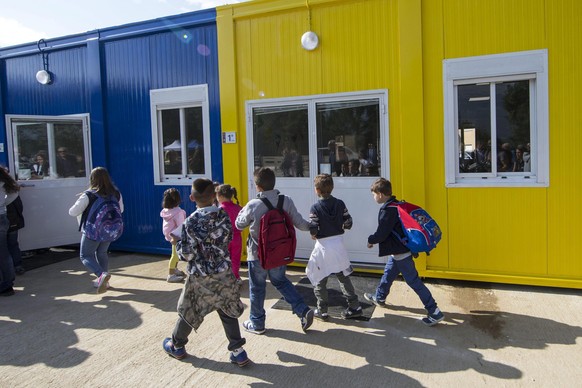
277,239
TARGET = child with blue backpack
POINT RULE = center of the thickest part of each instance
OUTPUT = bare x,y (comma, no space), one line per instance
399,257
99,209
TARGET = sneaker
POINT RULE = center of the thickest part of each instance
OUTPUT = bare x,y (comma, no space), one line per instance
317,313
96,284
352,313
239,357
177,353
19,270
307,320
102,282
251,328
434,318
179,273
174,278
373,299
7,292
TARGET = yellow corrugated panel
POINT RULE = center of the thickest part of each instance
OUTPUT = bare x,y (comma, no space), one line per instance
474,27
494,230
564,206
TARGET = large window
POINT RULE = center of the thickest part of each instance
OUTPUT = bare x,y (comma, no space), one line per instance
180,133
496,125
49,147
347,141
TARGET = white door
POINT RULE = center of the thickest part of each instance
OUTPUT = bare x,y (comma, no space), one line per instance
345,135
50,159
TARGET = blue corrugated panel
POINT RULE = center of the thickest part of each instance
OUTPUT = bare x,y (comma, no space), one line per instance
67,95
134,66
167,52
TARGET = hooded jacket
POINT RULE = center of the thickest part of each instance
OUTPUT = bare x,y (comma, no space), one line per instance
329,217
172,219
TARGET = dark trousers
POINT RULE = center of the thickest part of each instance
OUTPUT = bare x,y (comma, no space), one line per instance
346,286
231,328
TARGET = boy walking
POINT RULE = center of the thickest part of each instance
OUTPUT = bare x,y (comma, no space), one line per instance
329,218
399,257
210,284
250,215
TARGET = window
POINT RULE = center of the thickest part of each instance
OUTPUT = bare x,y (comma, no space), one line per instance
180,134
49,148
496,120
347,141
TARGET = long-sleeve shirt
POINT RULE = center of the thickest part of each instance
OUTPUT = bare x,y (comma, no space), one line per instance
329,217
251,213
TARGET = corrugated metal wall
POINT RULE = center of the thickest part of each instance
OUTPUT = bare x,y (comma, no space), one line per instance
515,235
27,96
521,235
132,59
133,66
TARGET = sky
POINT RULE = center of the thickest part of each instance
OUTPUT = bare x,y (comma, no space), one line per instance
26,21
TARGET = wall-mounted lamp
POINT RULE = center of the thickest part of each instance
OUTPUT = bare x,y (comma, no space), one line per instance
44,76
309,40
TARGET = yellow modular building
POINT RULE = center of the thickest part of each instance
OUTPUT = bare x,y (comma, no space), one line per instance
470,108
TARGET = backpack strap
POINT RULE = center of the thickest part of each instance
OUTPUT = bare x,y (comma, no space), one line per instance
267,203
92,198
280,202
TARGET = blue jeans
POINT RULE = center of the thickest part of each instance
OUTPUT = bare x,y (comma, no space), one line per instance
410,274
6,266
94,255
258,287
14,249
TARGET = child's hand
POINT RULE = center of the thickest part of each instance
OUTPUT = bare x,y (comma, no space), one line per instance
313,237
370,245
174,240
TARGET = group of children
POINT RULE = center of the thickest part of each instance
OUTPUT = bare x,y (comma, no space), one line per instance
210,241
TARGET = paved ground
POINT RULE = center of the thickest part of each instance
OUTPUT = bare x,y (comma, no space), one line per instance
56,332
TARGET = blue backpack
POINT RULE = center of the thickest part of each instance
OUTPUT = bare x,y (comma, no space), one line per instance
102,220
421,232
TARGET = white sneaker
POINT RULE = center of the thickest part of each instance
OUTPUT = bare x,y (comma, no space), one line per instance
179,273
173,278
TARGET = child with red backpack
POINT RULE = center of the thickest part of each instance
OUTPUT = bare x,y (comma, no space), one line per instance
399,257
251,216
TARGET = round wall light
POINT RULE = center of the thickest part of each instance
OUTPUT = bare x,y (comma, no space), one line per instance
309,40
44,77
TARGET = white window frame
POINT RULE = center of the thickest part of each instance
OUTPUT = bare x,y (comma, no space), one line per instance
525,65
179,98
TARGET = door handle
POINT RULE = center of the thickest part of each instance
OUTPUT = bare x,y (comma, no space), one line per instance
26,185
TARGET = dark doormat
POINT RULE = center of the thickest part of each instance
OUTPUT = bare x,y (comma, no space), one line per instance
337,302
41,257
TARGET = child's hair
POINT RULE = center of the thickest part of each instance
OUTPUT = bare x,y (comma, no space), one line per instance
10,185
324,184
171,198
100,181
264,178
382,186
203,190
227,191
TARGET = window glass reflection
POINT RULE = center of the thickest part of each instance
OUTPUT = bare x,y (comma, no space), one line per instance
280,139
50,150
348,138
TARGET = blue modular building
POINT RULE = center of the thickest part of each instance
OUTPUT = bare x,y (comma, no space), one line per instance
140,99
